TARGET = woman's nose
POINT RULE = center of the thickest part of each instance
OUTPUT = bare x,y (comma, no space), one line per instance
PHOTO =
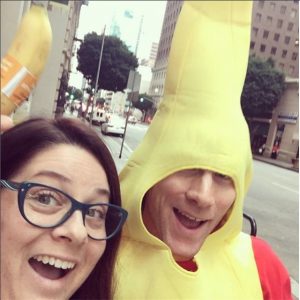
201,189
73,229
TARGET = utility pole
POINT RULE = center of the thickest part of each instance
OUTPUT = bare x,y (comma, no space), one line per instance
132,87
98,73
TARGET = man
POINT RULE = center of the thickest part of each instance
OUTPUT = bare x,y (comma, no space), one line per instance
184,186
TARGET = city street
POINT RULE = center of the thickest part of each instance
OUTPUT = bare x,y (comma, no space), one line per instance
272,200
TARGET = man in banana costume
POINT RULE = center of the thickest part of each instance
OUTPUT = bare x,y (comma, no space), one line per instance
184,185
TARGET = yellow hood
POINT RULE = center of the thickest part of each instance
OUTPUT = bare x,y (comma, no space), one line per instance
199,123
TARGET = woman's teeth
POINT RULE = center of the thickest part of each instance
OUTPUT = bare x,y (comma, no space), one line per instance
57,263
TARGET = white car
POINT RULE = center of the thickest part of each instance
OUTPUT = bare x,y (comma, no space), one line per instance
115,125
132,120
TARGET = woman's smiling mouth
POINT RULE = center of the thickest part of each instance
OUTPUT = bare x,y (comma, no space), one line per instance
50,267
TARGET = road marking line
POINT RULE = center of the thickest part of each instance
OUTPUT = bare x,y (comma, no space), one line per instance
284,187
127,147
295,287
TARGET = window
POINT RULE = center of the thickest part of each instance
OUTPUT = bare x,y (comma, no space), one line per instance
284,52
258,17
273,50
272,6
293,13
279,23
287,40
294,56
281,66
255,31
252,44
269,20
276,37
291,70
261,4
290,26
282,9
266,34
262,48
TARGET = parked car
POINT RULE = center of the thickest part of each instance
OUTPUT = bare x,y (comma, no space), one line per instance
115,125
132,120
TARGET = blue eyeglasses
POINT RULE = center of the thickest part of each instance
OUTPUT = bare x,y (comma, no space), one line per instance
47,207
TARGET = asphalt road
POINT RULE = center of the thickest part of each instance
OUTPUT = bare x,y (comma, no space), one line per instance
273,200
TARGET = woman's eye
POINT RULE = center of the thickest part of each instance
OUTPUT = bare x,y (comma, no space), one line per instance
46,199
96,213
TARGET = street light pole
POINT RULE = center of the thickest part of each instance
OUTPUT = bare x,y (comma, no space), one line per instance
132,87
98,73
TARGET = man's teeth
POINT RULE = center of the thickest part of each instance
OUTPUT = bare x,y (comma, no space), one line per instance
190,217
57,263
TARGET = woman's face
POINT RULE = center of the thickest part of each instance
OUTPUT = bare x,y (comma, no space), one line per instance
77,173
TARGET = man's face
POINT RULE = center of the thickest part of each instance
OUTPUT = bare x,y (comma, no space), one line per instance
185,207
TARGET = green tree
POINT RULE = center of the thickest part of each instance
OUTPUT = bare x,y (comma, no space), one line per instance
263,88
74,93
116,62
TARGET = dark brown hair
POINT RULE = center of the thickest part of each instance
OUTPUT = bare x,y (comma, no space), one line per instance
25,140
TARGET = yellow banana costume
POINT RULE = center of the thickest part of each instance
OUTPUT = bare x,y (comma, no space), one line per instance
199,124
25,59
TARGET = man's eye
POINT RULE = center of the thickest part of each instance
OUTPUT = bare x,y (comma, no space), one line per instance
223,177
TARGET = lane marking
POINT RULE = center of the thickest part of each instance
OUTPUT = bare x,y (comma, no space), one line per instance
127,147
285,188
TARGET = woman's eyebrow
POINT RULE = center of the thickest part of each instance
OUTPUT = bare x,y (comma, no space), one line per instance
53,174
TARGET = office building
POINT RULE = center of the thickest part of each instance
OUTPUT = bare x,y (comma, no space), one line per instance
275,29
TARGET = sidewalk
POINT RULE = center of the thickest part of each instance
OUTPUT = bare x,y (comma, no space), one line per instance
275,162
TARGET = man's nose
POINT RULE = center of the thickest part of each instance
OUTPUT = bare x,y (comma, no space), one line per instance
72,229
201,189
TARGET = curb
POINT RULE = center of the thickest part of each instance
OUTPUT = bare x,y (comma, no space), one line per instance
276,163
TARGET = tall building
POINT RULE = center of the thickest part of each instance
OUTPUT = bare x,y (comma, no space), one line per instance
153,54
275,32
159,70
64,17
275,29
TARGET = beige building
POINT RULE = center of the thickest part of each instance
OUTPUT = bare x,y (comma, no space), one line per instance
284,125
275,29
275,33
64,17
156,88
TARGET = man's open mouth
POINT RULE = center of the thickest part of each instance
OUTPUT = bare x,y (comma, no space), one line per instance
188,221
50,267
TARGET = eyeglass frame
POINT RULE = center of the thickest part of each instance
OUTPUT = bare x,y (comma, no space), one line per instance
23,187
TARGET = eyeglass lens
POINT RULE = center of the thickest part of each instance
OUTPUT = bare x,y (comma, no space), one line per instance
45,207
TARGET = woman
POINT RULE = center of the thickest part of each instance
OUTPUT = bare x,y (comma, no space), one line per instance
52,245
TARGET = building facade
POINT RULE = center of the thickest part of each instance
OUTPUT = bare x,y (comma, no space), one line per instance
283,134
156,88
275,29
275,33
64,17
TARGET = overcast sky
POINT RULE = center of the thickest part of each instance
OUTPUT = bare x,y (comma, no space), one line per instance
97,14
